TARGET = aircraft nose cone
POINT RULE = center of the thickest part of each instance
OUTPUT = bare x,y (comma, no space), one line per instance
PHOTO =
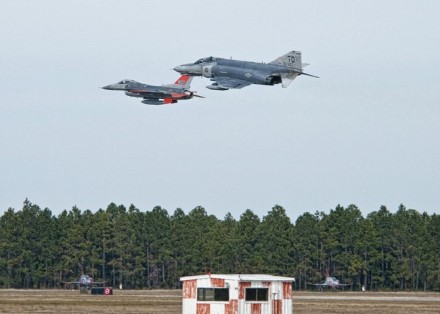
108,87
178,69
190,69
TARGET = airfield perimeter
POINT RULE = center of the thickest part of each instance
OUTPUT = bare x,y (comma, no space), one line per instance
170,301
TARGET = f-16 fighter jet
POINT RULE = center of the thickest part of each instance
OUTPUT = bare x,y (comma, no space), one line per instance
332,283
228,73
157,95
83,281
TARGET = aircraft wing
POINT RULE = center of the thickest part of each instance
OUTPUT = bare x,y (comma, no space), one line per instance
153,93
318,284
98,283
227,82
71,282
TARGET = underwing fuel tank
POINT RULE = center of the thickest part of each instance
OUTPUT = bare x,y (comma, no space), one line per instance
153,102
158,101
216,87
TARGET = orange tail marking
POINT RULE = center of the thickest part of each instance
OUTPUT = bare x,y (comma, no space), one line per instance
182,80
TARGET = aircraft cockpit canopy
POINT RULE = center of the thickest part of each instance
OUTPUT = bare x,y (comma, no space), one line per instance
203,60
125,81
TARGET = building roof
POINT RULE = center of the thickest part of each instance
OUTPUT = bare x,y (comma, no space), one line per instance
239,277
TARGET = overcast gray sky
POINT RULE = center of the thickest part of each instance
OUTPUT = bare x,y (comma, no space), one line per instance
367,132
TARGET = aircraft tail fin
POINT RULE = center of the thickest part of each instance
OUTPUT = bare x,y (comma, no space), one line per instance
184,81
291,59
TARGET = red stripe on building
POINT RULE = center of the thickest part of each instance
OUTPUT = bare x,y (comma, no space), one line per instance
203,308
189,289
217,283
243,286
232,307
287,290
256,308
277,306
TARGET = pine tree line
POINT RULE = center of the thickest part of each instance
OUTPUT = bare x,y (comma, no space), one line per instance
383,251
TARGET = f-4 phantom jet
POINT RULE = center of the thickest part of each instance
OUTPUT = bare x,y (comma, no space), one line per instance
228,73
157,95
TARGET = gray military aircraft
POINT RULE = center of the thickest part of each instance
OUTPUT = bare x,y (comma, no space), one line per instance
157,95
83,281
332,283
228,73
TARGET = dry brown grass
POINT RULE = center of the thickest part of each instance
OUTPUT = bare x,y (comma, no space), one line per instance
69,301
170,301
350,302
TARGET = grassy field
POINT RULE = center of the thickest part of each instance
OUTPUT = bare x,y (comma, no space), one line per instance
169,301
357,302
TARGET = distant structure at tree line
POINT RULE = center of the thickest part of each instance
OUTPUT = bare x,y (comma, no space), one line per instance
152,249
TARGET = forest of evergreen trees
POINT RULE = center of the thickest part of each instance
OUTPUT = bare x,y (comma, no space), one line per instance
151,249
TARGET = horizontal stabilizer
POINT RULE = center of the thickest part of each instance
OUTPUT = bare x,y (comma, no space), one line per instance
195,95
302,73
287,78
